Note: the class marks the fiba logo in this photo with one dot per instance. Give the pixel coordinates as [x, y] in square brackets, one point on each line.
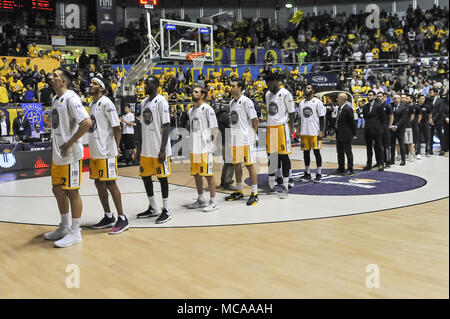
[7, 160]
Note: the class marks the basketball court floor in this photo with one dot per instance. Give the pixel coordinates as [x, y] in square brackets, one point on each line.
[327, 240]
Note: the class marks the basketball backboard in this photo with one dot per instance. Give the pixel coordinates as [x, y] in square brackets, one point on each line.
[179, 38]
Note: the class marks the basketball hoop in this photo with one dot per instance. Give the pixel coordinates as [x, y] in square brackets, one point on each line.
[197, 58]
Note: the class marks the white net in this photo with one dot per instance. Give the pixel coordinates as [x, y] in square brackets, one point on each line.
[198, 62]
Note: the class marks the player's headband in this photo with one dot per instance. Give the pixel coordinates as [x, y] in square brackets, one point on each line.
[100, 82]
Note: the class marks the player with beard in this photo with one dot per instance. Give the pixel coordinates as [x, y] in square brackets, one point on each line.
[280, 111]
[156, 149]
[311, 124]
[104, 141]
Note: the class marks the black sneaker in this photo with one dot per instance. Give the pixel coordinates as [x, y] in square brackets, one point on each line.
[164, 217]
[339, 171]
[306, 177]
[234, 196]
[150, 212]
[120, 226]
[318, 178]
[279, 180]
[350, 172]
[104, 223]
[402, 163]
[253, 199]
[291, 183]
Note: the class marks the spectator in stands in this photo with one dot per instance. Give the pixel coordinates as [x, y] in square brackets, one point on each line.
[16, 88]
[28, 94]
[83, 60]
[4, 95]
[33, 50]
[45, 95]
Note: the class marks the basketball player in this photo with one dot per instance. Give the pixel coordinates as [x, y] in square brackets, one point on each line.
[280, 110]
[204, 130]
[156, 149]
[104, 141]
[70, 121]
[244, 125]
[311, 124]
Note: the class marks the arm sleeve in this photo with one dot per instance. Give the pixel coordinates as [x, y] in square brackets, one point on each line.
[77, 109]
[212, 119]
[163, 108]
[111, 114]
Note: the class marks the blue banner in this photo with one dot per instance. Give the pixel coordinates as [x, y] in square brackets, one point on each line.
[207, 69]
[33, 111]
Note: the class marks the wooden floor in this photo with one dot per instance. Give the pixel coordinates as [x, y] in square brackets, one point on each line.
[324, 258]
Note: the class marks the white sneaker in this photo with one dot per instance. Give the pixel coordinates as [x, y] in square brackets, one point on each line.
[197, 204]
[57, 234]
[418, 157]
[72, 238]
[212, 206]
[410, 158]
[284, 193]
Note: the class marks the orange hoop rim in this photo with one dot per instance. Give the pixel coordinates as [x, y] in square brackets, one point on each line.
[194, 55]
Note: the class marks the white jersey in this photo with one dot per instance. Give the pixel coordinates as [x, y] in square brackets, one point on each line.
[309, 114]
[279, 106]
[104, 117]
[67, 113]
[202, 120]
[242, 112]
[128, 129]
[155, 113]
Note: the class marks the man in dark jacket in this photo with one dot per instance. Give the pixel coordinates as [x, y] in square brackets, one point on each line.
[439, 111]
[21, 125]
[345, 132]
[401, 117]
[373, 114]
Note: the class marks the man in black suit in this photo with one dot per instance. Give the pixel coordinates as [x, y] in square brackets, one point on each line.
[388, 119]
[21, 125]
[4, 124]
[424, 125]
[401, 117]
[345, 132]
[373, 114]
[439, 112]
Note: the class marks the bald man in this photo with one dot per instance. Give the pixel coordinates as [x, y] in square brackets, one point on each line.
[345, 132]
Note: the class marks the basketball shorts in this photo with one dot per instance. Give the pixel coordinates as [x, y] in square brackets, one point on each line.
[103, 169]
[244, 153]
[68, 175]
[278, 139]
[151, 166]
[202, 164]
[408, 135]
[310, 142]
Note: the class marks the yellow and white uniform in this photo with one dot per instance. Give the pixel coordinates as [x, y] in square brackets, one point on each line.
[309, 113]
[203, 120]
[102, 143]
[279, 106]
[155, 113]
[242, 112]
[67, 112]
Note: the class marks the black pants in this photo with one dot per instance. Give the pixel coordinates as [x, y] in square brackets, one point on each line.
[226, 178]
[436, 129]
[370, 140]
[424, 130]
[344, 147]
[416, 135]
[386, 140]
[445, 136]
[400, 137]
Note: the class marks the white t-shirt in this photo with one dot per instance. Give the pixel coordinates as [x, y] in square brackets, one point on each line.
[102, 143]
[155, 113]
[67, 113]
[242, 112]
[202, 120]
[279, 106]
[4, 129]
[369, 57]
[309, 114]
[128, 129]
